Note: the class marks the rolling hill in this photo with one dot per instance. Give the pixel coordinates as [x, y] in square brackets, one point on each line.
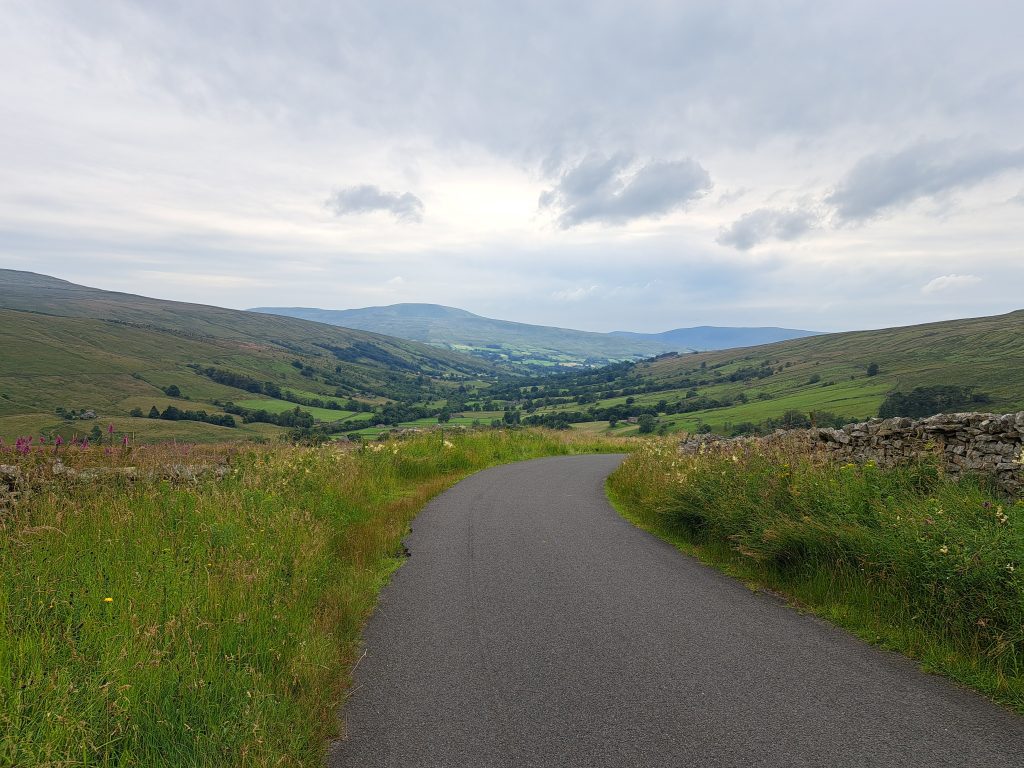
[706, 338]
[846, 376]
[76, 348]
[525, 345]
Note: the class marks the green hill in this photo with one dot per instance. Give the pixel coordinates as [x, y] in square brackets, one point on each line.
[500, 341]
[71, 347]
[739, 389]
[524, 346]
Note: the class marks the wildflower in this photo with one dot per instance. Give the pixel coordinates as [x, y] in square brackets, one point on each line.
[110, 429]
[108, 599]
[1010, 567]
[735, 458]
[944, 550]
[449, 444]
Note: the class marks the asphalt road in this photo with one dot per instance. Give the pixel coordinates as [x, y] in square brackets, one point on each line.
[532, 626]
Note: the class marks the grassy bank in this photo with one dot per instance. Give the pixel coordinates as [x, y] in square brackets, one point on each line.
[208, 623]
[905, 557]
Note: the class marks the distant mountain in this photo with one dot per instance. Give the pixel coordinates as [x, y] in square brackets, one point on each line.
[529, 345]
[709, 337]
[500, 341]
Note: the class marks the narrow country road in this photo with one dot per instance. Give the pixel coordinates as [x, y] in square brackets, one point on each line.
[532, 626]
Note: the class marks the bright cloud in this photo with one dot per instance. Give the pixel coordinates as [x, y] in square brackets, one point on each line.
[949, 283]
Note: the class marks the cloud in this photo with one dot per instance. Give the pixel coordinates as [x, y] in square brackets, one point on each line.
[883, 181]
[767, 223]
[367, 198]
[948, 282]
[615, 190]
[574, 294]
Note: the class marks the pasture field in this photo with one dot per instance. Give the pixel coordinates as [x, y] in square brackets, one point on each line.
[280, 406]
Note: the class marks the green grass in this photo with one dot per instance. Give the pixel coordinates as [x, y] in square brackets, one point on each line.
[210, 623]
[904, 557]
[280, 406]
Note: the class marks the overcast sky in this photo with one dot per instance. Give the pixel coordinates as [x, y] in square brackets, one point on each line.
[597, 165]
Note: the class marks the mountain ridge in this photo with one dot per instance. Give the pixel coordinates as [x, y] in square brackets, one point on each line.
[528, 343]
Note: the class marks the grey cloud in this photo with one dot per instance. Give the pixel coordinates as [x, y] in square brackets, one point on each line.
[641, 74]
[765, 224]
[367, 198]
[881, 182]
[614, 190]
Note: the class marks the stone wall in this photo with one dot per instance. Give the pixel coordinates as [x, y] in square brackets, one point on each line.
[984, 443]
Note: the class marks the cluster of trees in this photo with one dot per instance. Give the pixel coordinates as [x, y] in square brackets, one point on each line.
[240, 381]
[367, 350]
[791, 419]
[173, 413]
[928, 401]
[749, 372]
[295, 418]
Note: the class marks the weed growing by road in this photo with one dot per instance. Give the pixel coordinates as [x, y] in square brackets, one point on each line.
[905, 556]
[210, 618]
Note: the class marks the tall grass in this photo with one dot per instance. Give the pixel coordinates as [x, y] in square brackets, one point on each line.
[904, 556]
[156, 623]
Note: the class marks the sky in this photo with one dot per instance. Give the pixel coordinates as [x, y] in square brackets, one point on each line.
[596, 165]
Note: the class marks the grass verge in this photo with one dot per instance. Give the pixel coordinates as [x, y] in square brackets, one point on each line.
[905, 558]
[210, 622]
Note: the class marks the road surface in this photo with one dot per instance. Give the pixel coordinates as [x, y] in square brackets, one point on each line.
[532, 626]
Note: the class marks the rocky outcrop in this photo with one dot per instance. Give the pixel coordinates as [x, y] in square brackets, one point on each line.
[984, 443]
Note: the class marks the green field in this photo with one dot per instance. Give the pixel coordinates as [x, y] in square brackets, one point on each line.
[280, 406]
[826, 373]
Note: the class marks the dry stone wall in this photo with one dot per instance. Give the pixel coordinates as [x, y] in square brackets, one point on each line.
[985, 443]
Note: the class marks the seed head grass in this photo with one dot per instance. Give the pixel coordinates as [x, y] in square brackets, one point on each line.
[906, 556]
[208, 622]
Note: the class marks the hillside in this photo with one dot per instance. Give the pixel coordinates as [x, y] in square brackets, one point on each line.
[754, 388]
[524, 345]
[500, 341]
[709, 337]
[71, 347]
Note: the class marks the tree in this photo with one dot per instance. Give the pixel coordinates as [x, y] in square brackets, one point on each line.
[154, 413]
[172, 391]
[444, 416]
[647, 424]
[873, 369]
[136, 412]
